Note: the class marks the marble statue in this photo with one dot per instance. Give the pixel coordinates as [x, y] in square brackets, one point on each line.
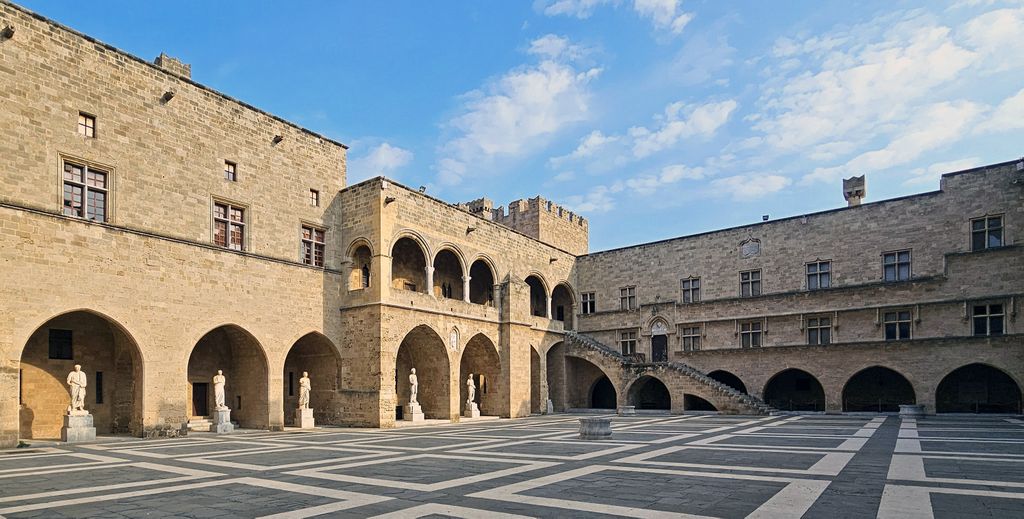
[76, 383]
[414, 387]
[471, 389]
[218, 390]
[304, 387]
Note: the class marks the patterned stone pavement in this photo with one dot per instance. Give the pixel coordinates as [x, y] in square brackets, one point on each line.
[654, 466]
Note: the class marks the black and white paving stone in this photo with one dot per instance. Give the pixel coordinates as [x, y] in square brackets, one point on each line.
[653, 466]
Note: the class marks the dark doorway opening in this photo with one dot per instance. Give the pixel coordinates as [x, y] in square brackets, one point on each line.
[729, 379]
[795, 390]
[602, 396]
[200, 396]
[649, 393]
[977, 388]
[877, 390]
[696, 403]
[659, 348]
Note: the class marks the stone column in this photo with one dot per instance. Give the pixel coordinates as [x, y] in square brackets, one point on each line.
[430, 280]
[547, 309]
[465, 288]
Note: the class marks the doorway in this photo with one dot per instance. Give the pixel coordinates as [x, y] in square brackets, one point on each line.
[659, 348]
[200, 399]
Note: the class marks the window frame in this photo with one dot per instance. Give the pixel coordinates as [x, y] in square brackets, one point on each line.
[816, 325]
[84, 128]
[896, 321]
[689, 290]
[751, 283]
[754, 333]
[988, 317]
[314, 197]
[313, 245]
[690, 337]
[627, 298]
[244, 224]
[87, 167]
[67, 351]
[987, 231]
[230, 171]
[818, 274]
[588, 303]
[896, 265]
[628, 338]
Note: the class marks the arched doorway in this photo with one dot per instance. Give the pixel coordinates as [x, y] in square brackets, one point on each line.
[659, 341]
[795, 390]
[978, 388]
[877, 389]
[481, 359]
[359, 276]
[538, 296]
[408, 266]
[314, 354]
[649, 393]
[240, 356]
[696, 403]
[728, 379]
[561, 305]
[423, 349]
[555, 373]
[602, 394]
[111, 360]
[448, 275]
[537, 403]
[481, 283]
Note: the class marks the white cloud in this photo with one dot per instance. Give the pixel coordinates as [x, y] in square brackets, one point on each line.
[1009, 115]
[931, 174]
[665, 15]
[999, 37]
[649, 184]
[512, 115]
[748, 187]
[552, 46]
[591, 144]
[581, 9]
[597, 200]
[680, 122]
[383, 159]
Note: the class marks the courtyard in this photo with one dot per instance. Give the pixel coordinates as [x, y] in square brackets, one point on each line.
[653, 466]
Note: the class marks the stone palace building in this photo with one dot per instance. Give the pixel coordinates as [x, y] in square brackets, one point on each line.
[154, 231]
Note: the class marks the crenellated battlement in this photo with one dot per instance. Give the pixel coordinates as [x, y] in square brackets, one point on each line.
[539, 218]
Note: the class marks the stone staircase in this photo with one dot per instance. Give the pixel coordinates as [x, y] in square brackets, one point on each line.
[714, 386]
[203, 423]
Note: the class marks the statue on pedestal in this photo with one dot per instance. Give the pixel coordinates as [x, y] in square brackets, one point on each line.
[304, 387]
[76, 383]
[218, 391]
[414, 386]
[471, 389]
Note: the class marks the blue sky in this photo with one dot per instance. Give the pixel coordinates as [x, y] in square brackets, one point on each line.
[652, 118]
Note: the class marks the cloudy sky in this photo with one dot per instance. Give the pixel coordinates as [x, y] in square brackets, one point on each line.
[652, 118]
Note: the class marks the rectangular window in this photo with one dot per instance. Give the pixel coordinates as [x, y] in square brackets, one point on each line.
[228, 226]
[99, 387]
[231, 171]
[819, 275]
[896, 265]
[750, 334]
[627, 298]
[312, 246]
[691, 290]
[819, 330]
[291, 383]
[897, 325]
[986, 233]
[750, 283]
[314, 198]
[988, 319]
[85, 192]
[60, 345]
[627, 340]
[589, 303]
[689, 336]
[86, 125]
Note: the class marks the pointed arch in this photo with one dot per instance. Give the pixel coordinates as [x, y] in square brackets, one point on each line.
[243, 360]
[794, 390]
[978, 388]
[649, 392]
[538, 294]
[877, 389]
[482, 278]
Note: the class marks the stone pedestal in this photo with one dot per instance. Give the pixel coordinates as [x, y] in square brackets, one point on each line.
[627, 410]
[550, 408]
[472, 411]
[304, 418]
[412, 413]
[912, 411]
[78, 427]
[595, 428]
[222, 422]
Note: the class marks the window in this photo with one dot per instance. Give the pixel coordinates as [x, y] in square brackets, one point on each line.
[99, 387]
[366, 276]
[291, 383]
[819, 275]
[312, 246]
[691, 290]
[897, 325]
[589, 303]
[819, 330]
[314, 198]
[987, 233]
[86, 125]
[60, 345]
[750, 283]
[628, 342]
[85, 192]
[446, 290]
[627, 298]
[231, 171]
[229, 226]
[988, 319]
[750, 334]
[896, 265]
[689, 336]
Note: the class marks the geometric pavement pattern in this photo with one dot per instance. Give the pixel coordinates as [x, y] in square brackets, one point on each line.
[653, 466]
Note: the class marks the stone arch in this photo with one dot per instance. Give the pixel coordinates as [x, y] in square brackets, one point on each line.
[105, 349]
[317, 355]
[538, 294]
[729, 379]
[696, 403]
[794, 390]
[235, 351]
[877, 389]
[360, 255]
[563, 301]
[409, 264]
[978, 388]
[649, 392]
[482, 278]
[602, 394]
[422, 348]
[449, 271]
[480, 358]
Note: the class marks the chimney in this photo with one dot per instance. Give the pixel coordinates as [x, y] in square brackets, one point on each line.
[173, 65]
[854, 189]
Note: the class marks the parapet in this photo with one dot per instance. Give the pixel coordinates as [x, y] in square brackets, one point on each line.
[538, 218]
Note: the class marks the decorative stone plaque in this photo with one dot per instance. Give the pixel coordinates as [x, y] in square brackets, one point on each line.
[750, 248]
